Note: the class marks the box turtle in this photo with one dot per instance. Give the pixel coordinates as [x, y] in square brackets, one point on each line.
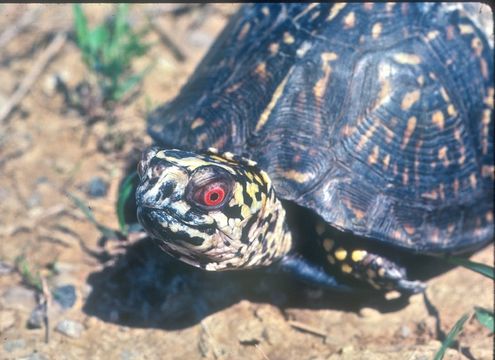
[364, 129]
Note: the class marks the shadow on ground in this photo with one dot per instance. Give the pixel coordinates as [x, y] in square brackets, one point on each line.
[148, 289]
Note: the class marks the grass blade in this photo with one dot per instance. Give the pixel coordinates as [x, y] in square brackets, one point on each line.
[485, 317]
[456, 329]
[124, 194]
[105, 231]
[482, 269]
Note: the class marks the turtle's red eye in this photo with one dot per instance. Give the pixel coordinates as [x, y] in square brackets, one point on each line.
[213, 195]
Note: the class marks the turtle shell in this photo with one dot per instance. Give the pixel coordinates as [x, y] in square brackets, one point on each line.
[378, 117]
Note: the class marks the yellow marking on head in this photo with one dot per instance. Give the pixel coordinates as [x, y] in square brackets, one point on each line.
[386, 161]
[288, 38]
[261, 70]
[331, 259]
[411, 126]
[381, 272]
[346, 268]
[197, 123]
[273, 48]
[473, 181]
[320, 86]
[349, 20]
[438, 119]
[252, 189]
[451, 110]
[276, 95]
[328, 244]
[244, 31]
[442, 155]
[245, 211]
[432, 35]
[265, 177]
[409, 99]
[358, 255]
[340, 254]
[376, 30]
[336, 8]
[320, 227]
[405, 58]
[373, 158]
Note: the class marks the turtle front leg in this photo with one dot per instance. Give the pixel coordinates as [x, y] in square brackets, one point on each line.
[352, 259]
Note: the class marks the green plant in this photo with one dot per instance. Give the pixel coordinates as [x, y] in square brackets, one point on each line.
[109, 49]
[484, 316]
[30, 279]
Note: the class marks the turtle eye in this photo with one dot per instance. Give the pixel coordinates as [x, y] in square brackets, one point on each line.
[211, 195]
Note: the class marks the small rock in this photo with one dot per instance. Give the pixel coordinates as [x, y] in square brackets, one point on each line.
[34, 356]
[369, 313]
[11, 345]
[18, 297]
[7, 319]
[35, 320]
[70, 328]
[34, 200]
[5, 269]
[404, 331]
[97, 187]
[65, 295]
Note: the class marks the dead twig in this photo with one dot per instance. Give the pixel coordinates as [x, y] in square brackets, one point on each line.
[307, 328]
[26, 84]
[23, 22]
[45, 301]
[177, 53]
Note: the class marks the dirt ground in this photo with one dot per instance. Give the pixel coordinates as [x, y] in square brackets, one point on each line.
[142, 304]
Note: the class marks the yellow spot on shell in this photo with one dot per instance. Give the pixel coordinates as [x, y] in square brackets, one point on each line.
[234, 87]
[368, 6]
[261, 70]
[350, 20]
[346, 268]
[331, 259]
[244, 31]
[320, 228]
[386, 161]
[336, 8]
[358, 255]
[477, 46]
[432, 35]
[288, 38]
[409, 99]
[438, 119]
[409, 229]
[376, 30]
[328, 244]
[373, 158]
[488, 171]
[381, 272]
[320, 86]
[367, 135]
[340, 254]
[466, 29]
[489, 216]
[265, 10]
[473, 181]
[268, 110]
[273, 48]
[442, 155]
[405, 58]
[488, 100]
[298, 176]
[451, 110]
[444, 94]
[411, 125]
[197, 123]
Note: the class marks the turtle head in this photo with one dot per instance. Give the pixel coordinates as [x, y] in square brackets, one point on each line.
[211, 210]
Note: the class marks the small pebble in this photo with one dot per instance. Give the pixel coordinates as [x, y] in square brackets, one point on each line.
[65, 295]
[18, 297]
[405, 331]
[70, 328]
[34, 200]
[97, 187]
[369, 313]
[35, 320]
[5, 268]
[34, 356]
[11, 345]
